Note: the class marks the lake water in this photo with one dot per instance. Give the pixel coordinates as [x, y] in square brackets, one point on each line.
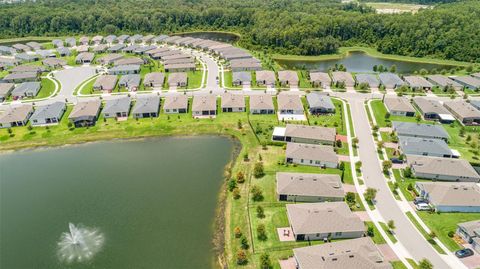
[153, 201]
[217, 36]
[360, 62]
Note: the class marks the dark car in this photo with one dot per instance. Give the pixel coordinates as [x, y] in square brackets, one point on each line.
[396, 160]
[419, 200]
[466, 252]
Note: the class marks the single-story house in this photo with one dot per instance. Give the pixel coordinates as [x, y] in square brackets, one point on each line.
[119, 107]
[116, 48]
[261, 104]
[100, 48]
[24, 57]
[249, 64]
[204, 105]
[313, 155]
[123, 39]
[129, 61]
[320, 79]
[343, 77]
[475, 104]
[418, 83]
[288, 78]
[19, 47]
[5, 50]
[451, 196]
[178, 79]
[370, 79]
[64, 52]
[470, 232]
[34, 45]
[97, 39]
[442, 169]
[146, 106]
[265, 78]
[21, 77]
[130, 82]
[359, 253]
[154, 79]
[84, 40]
[157, 50]
[444, 82]
[71, 41]
[124, 70]
[147, 39]
[433, 110]
[54, 62]
[110, 39]
[109, 58]
[49, 114]
[463, 111]
[16, 115]
[9, 61]
[105, 83]
[143, 49]
[414, 129]
[5, 90]
[233, 102]
[159, 38]
[179, 67]
[468, 82]
[290, 104]
[82, 48]
[85, 113]
[26, 89]
[135, 38]
[399, 106]
[306, 134]
[188, 60]
[28, 69]
[305, 187]
[320, 221]
[319, 103]
[85, 57]
[57, 43]
[241, 78]
[175, 104]
[425, 147]
[46, 53]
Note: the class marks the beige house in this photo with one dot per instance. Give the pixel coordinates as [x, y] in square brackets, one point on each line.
[320, 79]
[261, 104]
[204, 106]
[178, 79]
[399, 106]
[233, 102]
[154, 79]
[464, 112]
[105, 83]
[290, 104]
[265, 78]
[312, 155]
[304, 187]
[288, 78]
[16, 115]
[85, 113]
[176, 104]
[306, 134]
[442, 169]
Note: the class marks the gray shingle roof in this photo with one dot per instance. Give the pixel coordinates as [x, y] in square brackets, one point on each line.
[430, 106]
[147, 103]
[310, 132]
[398, 104]
[204, 102]
[321, 77]
[317, 185]
[390, 80]
[443, 81]
[417, 82]
[87, 108]
[119, 104]
[417, 129]
[15, 113]
[311, 152]
[24, 88]
[370, 79]
[178, 101]
[442, 166]
[419, 146]
[318, 100]
[267, 76]
[53, 110]
[242, 76]
[233, 100]
[261, 101]
[452, 193]
[289, 101]
[288, 75]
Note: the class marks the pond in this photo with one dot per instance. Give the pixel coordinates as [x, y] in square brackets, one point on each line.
[146, 204]
[217, 36]
[360, 62]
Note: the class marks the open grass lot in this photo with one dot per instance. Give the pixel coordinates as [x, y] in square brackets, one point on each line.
[303, 81]
[443, 223]
[194, 79]
[239, 212]
[47, 89]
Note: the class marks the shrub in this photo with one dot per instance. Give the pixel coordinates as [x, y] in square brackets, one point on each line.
[257, 194]
[370, 231]
[241, 257]
[236, 194]
[260, 212]
[232, 185]
[261, 232]
[238, 232]
[265, 262]
[240, 177]
[258, 170]
[451, 234]
[350, 197]
[244, 243]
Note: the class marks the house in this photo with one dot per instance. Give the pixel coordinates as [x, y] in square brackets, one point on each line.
[34, 45]
[82, 48]
[130, 81]
[165, 53]
[241, 78]
[303, 187]
[146, 106]
[124, 70]
[463, 111]
[204, 106]
[451, 196]
[399, 106]
[168, 58]
[320, 103]
[64, 52]
[16, 115]
[305, 134]
[147, 39]
[418, 83]
[46, 53]
[187, 60]
[289, 104]
[179, 67]
[28, 69]
[21, 47]
[100, 48]
[370, 79]
[476, 75]
[320, 221]
[5, 90]
[250, 64]
[442, 169]
[57, 43]
[178, 79]
[135, 38]
[320, 79]
[105, 83]
[157, 50]
[129, 61]
[109, 58]
[154, 79]
[433, 110]
[175, 104]
[444, 82]
[469, 82]
[425, 147]
[23, 57]
[288, 78]
[265, 78]
[110, 39]
[312, 155]
[4, 50]
[84, 40]
[49, 114]
[71, 41]
[116, 48]
[261, 104]
[233, 102]
[54, 62]
[475, 104]
[26, 89]
[159, 38]
[9, 61]
[122, 39]
[85, 113]
[97, 39]
[84, 57]
[470, 232]
[360, 253]
[345, 78]
[143, 49]
[413, 129]
[21, 77]
[118, 107]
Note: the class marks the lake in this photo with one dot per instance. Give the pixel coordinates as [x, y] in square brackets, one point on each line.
[153, 202]
[217, 36]
[360, 62]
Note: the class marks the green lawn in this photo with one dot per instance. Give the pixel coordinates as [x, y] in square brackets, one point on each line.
[48, 88]
[470, 150]
[380, 112]
[388, 232]
[377, 237]
[194, 79]
[229, 80]
[424, 233]
[304, 82]
[442, 223]
[403, 184]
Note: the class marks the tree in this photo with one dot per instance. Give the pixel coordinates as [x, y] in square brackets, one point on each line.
[240, 177]
[232, 185]
[265, 262]
[370, 231]
[393, 68]
[418, 118]
[257, 194]
[244, 243]
[238, 232]
[236, 194]
[391, 225]
[370, 194]
[260, 212]
[425, 264]
[338, 143]
[261, 232]
[241, 257]
[350, 197]
[387, 164]
[258, 170]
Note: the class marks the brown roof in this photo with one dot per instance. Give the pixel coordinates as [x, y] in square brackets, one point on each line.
[261, 101]
[311, 152]
[311, 132]
[86, 108]
[233, 100]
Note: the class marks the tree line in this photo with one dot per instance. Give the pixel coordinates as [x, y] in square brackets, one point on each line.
[303, 27]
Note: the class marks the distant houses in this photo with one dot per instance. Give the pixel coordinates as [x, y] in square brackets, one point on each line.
[303, 187]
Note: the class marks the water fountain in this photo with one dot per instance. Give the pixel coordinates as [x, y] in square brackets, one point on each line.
[79, 244]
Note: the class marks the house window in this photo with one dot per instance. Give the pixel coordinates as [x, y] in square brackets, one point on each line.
[301, 160]
[338, 234]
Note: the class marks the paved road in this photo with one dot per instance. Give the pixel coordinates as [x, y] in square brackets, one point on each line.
[70, 79]
[386, 203]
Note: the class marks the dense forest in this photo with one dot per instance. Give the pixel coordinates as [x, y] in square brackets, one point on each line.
[306, 27]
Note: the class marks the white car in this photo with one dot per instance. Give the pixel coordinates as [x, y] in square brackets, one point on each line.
[423, 207]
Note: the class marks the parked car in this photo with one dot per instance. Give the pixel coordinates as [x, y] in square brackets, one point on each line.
[423, 207]
[463, 253]
[396, 160]
[419, 200]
